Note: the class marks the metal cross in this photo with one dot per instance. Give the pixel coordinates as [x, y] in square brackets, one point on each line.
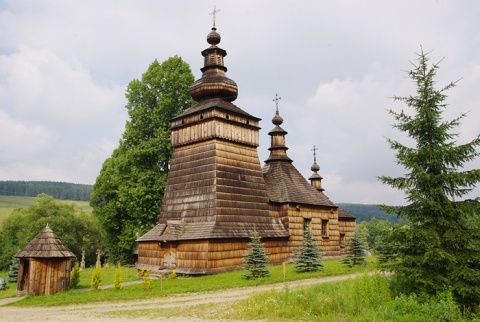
[213, 13]
[314, 153]
[276, 99]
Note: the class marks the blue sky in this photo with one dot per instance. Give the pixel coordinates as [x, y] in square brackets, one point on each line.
[65, 65]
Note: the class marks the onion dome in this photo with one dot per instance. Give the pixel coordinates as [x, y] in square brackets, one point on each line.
[278, 149]
[315, 178]
[214, 83]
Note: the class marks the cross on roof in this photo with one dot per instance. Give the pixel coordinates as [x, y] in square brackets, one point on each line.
[276, 99]
[314, 153]
[213, 13]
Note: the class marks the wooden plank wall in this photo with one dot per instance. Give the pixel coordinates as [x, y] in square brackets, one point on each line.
[216, 255]
[216, 124]
[150, 253]
[49, 276]
[347, 227]
[330, 245]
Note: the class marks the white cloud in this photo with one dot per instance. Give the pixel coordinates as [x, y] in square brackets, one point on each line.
[21, 141]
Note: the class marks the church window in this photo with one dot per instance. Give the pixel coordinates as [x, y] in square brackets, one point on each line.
[324, 228]
[342, 240]
[307, 224]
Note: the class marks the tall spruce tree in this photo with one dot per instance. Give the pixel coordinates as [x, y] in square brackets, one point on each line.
[309, 257]
[256, 259]
[439, 249]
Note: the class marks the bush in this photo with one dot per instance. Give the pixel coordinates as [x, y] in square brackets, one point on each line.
[96, 278]
[147, 281]
[118, 278]
[75, 278]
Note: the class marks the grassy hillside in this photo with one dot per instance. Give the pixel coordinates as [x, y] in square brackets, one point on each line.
[9, 203]
[367, 212]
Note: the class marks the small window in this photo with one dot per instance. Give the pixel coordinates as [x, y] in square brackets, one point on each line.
[324, 228]
[342, 240]
[227, 117]
[307, 224]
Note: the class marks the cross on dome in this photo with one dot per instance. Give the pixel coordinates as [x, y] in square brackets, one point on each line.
[276, 99]
[214, 13]
[314, 153]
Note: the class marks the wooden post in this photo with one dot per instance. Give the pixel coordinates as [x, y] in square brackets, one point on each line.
[284, 271]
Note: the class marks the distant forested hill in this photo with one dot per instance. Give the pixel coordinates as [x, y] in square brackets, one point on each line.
[58, 190]
[367, 212]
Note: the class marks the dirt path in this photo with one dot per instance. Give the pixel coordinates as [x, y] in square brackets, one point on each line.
[152, 309]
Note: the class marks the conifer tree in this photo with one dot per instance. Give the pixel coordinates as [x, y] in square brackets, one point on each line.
[256, 259]
[12, 273]
[309, 255]
[355, 251]
[439, 249]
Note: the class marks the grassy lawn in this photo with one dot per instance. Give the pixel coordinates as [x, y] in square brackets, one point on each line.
[182, 284]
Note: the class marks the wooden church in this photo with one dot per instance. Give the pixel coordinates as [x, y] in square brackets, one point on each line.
[217, 194]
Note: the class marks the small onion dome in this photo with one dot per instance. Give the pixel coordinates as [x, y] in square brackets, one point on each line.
[213, 38]
[315, 167]
[277, 119]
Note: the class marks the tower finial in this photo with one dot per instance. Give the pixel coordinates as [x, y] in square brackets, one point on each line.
[214, 13]
[276, 99]
[314, 153]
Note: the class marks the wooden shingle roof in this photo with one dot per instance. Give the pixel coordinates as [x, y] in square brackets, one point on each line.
[285, 184]
[45, 245]
[345, 215]
[215, 189]
[214, 103]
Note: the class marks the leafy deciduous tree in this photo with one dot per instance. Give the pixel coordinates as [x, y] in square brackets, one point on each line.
[128, 192]
[439, 250]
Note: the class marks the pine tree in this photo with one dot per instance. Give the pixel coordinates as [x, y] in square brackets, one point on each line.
[256, 259]
[309, 256]
[439, 248]
[355, 251]
[12, 273]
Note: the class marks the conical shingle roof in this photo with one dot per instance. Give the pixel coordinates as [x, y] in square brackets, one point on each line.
[45, 245]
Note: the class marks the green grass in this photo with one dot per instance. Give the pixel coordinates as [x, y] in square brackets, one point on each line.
[11, 288]
[182, 284]
[10, 203]
[366, 298]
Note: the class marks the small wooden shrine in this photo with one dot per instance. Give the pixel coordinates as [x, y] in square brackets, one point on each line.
[217, 194]
[45, 265]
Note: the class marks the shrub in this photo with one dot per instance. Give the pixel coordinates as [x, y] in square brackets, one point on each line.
[118, 278]
[75, 278]
[147, 281]
[96, 278]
